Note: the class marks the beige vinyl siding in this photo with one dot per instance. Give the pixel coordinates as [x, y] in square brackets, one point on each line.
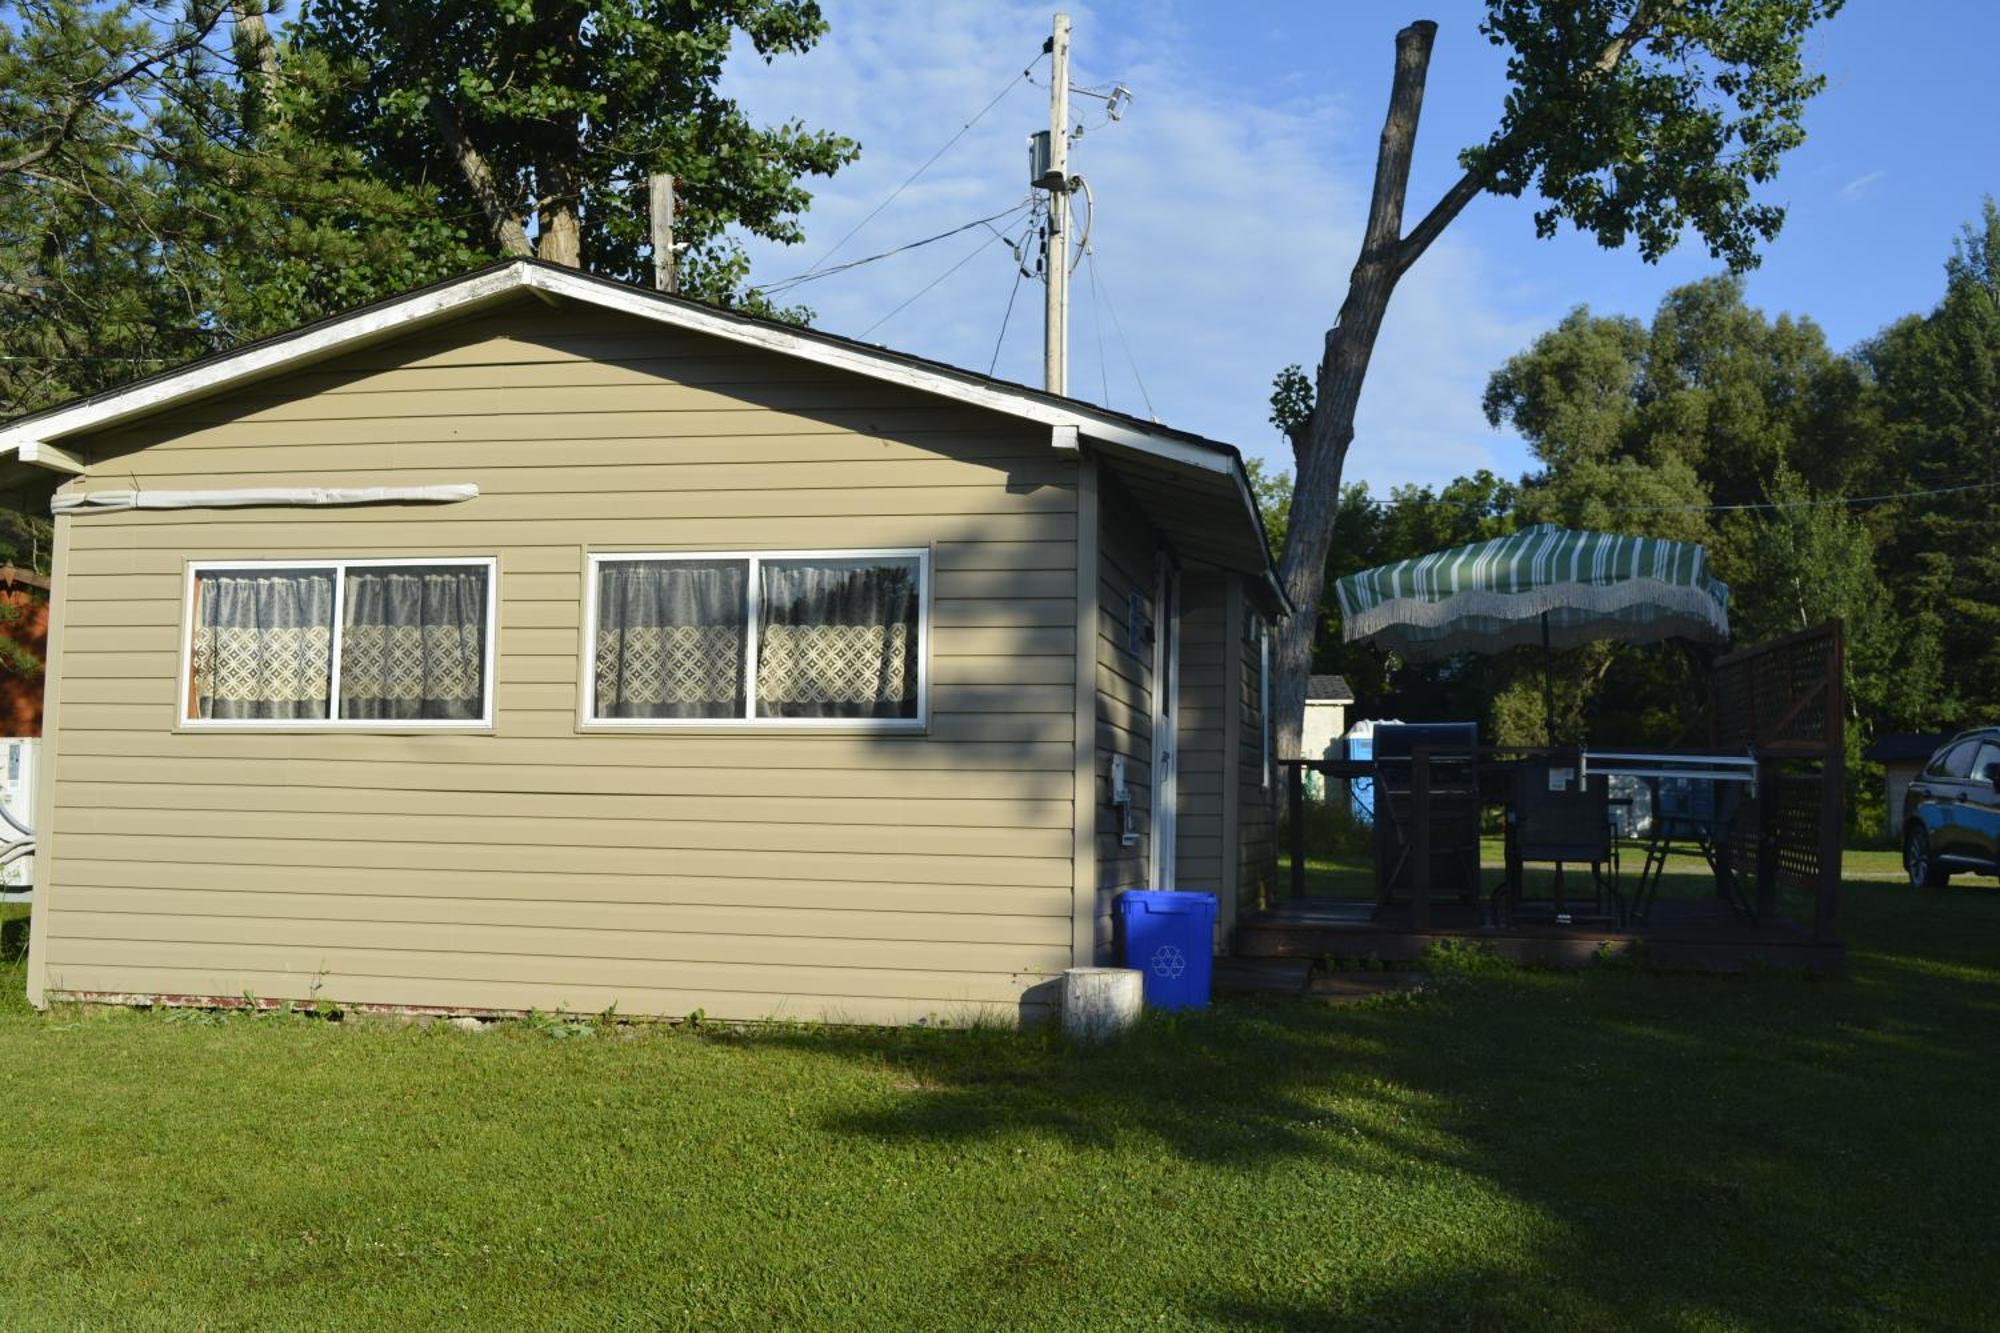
[1199, 857]
[870, 877]
[1257, 805]
[1127, 554]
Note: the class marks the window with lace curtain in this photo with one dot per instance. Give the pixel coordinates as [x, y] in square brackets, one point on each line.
[363, 643]
[792, 638]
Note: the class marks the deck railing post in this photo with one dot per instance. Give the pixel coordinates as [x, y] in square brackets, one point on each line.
[1420, 835]
[1295, 784]
[1768, 816]
[1832, 790]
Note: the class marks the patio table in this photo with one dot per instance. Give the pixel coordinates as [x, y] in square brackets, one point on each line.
[1724, 779]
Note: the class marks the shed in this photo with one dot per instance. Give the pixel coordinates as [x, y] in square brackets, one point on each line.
[1902, 755]
[537, 641]
[1327, 698]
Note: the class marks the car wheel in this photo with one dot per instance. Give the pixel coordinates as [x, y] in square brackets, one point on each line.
[1924, 871]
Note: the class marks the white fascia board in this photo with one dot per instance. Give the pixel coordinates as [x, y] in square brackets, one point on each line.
[862, 361]
[456, 298]
[29, 439]
[225, 371]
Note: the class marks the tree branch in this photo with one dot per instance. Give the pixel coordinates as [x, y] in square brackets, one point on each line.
[506, 224]
[1645, 20]
[1463, 191]
[91, 92]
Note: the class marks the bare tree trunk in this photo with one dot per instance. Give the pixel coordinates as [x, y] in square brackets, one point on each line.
[256, 53]
[500, 215]
[1319, 444]
[558, 175]
[561, 237]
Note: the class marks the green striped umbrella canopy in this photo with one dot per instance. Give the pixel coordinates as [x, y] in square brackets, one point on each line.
[1494, 594]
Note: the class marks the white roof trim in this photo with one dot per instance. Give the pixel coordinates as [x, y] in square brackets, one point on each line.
[222, 372]
[394, 317]
[29, 439]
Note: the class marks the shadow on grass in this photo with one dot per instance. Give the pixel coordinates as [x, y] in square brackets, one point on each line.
[1745, 1147]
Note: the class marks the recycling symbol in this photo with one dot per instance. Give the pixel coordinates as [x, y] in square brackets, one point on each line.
[1168, 962]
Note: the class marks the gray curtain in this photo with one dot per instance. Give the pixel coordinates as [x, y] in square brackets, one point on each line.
[838, 638]
[263, 643]
[413, 642]
[670, 638]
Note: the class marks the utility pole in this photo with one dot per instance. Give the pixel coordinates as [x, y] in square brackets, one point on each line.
[1055, 260]
[660, 206]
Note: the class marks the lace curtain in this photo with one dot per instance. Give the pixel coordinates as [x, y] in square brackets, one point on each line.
[838, 638]
[413, 642]
[263, 644]
[670, 638]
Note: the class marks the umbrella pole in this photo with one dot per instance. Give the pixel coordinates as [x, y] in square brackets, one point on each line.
[1548, 682]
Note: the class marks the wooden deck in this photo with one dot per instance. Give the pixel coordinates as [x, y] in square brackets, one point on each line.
[1695, 935]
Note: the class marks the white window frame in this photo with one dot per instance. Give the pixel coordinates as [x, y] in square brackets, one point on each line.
[484, 722]
[586, 704]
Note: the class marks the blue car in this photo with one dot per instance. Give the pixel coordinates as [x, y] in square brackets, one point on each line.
[1951, 813]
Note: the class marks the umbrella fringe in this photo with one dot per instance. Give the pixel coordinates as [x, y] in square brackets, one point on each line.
[1706, 607]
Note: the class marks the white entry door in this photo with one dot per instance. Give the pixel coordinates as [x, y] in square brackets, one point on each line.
[1166, 721]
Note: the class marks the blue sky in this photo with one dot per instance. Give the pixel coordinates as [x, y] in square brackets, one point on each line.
[1232, 193]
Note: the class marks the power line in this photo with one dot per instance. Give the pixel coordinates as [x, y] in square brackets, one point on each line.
[930, 161]
[1097, 327]
[1005, 316]
[1747, 506]
[1825, 500]
[813, 275]
[925, 289]
[87, 360]
[1118, 327]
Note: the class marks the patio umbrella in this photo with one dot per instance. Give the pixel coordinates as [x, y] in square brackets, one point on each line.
[1556, 586]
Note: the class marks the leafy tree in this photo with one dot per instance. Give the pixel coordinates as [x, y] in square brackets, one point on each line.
[1648, 428]
[545, 117]
[92, 279]
[1639, 119]
[1640, 428]
[1938, 407]
[1411, 521]
[174, 178]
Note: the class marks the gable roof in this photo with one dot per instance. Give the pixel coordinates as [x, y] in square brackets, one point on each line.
[1328, 689]
[1907, 747]
[1190, 482]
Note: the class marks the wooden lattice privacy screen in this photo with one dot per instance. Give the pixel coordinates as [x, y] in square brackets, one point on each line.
[1785, 702]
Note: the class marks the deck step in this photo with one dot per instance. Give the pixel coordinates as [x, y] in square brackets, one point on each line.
[1696, 935]
[1265, 976]
[1344, 987]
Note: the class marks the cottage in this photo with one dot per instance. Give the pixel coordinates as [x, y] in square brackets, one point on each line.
[534, 641]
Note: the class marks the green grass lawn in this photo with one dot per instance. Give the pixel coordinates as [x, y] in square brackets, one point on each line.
[1509, 1148]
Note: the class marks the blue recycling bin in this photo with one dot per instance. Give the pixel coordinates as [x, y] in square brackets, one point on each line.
[1170, 937]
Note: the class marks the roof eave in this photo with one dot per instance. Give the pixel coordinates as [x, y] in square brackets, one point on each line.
[31, 439]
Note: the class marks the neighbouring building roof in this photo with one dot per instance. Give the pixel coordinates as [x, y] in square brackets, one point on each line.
[1197, 489]
[1328, 690]
[1906, 746]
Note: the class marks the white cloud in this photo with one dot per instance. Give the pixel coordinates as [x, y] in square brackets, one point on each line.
[1228, 221]
[1861, 186]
